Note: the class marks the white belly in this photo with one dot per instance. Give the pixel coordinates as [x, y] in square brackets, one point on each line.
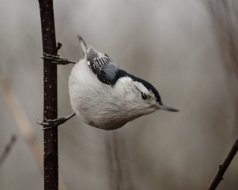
[87, 98]
[101, 105]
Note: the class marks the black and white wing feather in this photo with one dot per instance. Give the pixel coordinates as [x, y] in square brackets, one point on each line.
[104, 68]
[100, 64]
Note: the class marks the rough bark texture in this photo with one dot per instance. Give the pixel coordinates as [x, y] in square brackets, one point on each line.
[50, 96]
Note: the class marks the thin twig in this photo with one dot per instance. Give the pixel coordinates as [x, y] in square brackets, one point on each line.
[223, 167]
[7, 149]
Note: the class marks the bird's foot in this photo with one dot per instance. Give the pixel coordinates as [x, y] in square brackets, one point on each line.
[52, 123]
[56, 59]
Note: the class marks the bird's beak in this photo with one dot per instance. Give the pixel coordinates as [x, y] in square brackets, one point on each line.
[167, 108]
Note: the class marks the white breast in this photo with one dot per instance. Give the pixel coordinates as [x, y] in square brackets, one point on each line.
[99, 104]
[92, 100]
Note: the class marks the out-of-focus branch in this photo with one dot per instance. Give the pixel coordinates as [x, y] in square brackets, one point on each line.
[7, 149]
[224, 13]
[115, 166]
[22, 121]
[223, 167]
[24, 125]
[119, 171]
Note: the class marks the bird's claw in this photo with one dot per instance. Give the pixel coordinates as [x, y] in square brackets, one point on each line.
[56, 59]
[52, 123]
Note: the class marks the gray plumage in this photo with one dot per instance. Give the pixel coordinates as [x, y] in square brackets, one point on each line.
[101, 65]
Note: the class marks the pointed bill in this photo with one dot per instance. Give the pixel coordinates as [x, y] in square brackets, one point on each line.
[167, 108]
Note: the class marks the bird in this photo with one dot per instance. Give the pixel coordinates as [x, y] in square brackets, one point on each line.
[104, 95]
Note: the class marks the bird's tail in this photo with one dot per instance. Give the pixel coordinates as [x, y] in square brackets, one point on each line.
[83, 44]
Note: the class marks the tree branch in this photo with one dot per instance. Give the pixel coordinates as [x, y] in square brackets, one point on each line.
[223, 167]
[50, 95]
[7, 149]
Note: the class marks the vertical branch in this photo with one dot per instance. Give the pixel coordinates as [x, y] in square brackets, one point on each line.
[224, 14]
[50, 96]
[114, 161]
[118, 169]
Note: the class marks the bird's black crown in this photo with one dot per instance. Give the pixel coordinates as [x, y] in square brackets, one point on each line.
[149, 86]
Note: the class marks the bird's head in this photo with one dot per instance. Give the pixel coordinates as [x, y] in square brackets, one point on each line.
[148, 98]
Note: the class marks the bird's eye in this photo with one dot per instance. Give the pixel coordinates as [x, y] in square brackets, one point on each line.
[144, 96]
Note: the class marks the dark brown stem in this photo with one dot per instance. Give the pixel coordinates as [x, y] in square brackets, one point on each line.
[50, 95]
[223, 167]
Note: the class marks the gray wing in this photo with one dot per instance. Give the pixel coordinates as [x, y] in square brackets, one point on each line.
[104, 68]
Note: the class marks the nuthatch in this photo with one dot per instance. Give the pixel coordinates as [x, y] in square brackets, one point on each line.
[105, 96]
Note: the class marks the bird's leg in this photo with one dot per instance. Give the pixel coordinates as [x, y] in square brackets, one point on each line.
[51, 123]
[56, 59]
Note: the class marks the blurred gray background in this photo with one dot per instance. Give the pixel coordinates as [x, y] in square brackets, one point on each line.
[179, 46]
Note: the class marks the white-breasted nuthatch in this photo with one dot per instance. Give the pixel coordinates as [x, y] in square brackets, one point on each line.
[105, 96]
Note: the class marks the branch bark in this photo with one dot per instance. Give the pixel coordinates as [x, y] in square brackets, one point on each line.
[223, 167]
[50, 95]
